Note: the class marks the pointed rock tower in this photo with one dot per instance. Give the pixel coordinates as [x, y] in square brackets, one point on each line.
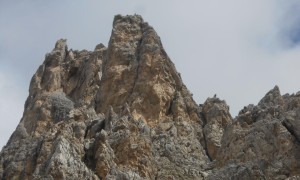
[119, 112]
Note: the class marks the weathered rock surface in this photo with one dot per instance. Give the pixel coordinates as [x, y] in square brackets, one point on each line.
[262, 142]
[123, 112]
[217, 117]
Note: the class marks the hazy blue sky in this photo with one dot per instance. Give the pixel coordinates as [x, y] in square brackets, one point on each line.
[237, 49]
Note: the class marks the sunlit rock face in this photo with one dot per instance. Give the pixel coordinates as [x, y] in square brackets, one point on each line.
[123, 112]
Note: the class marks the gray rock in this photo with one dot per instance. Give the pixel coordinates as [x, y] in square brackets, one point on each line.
[61, 106]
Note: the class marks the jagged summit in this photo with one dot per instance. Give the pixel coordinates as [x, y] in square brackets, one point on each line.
[138, 67]
[273, 97]
[123, 112]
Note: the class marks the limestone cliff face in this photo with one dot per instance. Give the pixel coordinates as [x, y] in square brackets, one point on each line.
[123, 112]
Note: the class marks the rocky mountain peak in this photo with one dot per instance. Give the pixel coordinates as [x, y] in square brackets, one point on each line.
[61, 45]
[138, 67]
[123, 112]
[272, 98]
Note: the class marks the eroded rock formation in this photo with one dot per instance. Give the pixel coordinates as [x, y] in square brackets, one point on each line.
[263, 141]
[123, 112]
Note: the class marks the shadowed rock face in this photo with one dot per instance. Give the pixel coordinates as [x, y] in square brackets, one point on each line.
[123, 112]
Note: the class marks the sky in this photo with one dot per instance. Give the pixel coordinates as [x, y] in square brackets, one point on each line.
[237, 49]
